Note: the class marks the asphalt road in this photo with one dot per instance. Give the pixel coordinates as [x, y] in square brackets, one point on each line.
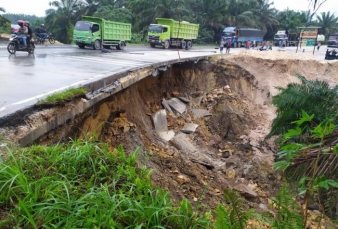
[25, 79]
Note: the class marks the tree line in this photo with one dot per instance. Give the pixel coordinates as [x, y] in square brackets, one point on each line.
[212, 16]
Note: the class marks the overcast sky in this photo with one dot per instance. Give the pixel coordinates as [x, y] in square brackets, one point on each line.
[38, 7]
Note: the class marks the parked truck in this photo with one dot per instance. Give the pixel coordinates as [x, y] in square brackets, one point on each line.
[293, 39]
[281, 37]
[239, 36]
[333, 41]
[170, 33]
[97, 32]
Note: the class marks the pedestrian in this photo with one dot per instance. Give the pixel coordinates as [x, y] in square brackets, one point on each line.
[284, 43]
[254, 44]
[263, 45]
[268, 45]
[318, 46]
[280, 44]
[221, 45]
[248, 44]
[228, 46]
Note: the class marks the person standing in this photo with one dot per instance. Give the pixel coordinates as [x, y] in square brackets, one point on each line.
[318, 46]
[221, 45]
[228, 46]
[248, 44]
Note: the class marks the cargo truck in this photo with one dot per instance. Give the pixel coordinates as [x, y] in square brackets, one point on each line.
[239, 36]
[170, 33]
[97, 32]
[281, 37]
[333, 41]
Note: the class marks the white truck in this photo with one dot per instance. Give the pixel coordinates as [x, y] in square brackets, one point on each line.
[280, 36]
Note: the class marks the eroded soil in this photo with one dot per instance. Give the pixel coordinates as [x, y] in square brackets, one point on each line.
[231, 151]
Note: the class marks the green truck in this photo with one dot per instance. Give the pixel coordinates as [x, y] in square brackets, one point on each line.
[170, 33]
[94, 32]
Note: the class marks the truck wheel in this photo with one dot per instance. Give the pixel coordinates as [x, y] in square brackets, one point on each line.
[166, 45]
[97, 45]
[81, 46]
[189, 45]
[120, 46]
[152, 45]
[183, 44]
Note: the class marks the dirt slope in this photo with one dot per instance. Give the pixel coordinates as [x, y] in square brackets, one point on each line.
[229, 150]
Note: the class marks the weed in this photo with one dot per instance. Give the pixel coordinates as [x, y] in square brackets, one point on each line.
[64, 95]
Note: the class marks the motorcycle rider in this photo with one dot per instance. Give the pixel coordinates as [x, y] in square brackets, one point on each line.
[23, 31]
[41, 32]
[30, 34]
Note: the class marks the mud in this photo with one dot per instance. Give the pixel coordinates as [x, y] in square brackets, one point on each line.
[231, 151]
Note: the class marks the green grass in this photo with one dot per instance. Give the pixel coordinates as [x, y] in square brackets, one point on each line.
[84, 185]
[64, 95]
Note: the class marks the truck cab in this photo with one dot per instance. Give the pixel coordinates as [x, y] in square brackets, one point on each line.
[333, 41]
[280, 36]
[158, 34]
[87, 34]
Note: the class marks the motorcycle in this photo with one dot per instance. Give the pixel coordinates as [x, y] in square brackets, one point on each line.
[16, 44]
[40, 40]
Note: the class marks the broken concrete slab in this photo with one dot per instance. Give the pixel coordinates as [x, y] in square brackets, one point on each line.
[246, 191]
[182, 142]
[183, 99]
[166, 135]
[189, 128]
[177, 105]
[167, 107]
[160, 121]
[201, 113]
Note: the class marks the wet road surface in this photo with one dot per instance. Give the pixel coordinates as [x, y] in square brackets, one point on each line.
[25, 79]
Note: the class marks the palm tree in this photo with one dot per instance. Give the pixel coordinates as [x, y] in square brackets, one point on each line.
[265, 14]
[146, 11]
[328, 22]
[2, 9]
[66, 14]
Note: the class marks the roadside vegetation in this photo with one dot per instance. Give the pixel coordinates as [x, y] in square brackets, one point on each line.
[63, 96]
[307, 125]
[84, 184]
[212, 16]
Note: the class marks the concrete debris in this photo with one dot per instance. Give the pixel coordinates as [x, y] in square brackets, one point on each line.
[206, 164]
[186, 100]
[181, 142]
[201, 113]
[166, 135]
[189, 128]
[177, 105]
[245, 191]
[160, 121]
[167, 107]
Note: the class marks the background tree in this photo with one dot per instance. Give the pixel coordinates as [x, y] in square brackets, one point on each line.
[327, 22]
[2, 9]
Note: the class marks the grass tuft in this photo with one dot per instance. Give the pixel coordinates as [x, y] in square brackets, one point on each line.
[64, 95]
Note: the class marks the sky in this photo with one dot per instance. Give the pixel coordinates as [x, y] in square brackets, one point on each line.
[38, 7]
